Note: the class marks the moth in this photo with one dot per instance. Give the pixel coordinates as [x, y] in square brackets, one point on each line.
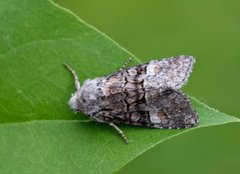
[146, 95]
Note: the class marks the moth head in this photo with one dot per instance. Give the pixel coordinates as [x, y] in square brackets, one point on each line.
[73, 102]
[86, 98]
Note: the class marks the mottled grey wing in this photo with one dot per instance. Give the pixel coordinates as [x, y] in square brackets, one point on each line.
[169, 109]
[158, 74]
[168, 73]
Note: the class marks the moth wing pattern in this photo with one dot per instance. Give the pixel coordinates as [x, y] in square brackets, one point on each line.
[169, 109]
[170, 72]
[162, 74]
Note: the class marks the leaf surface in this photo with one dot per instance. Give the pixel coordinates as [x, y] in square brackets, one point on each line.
[40, 133]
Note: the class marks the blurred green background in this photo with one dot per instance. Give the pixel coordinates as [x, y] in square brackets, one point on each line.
[209, 30]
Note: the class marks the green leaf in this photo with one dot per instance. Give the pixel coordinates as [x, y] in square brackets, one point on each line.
[41, 134]
[37, 37]
[83, 147]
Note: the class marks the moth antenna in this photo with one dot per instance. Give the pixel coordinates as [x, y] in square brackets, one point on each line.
[77, 82]
[125, 65]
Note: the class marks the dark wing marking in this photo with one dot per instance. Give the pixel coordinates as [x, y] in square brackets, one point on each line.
[169, 109]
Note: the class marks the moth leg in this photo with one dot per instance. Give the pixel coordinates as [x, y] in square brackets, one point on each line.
[119, 131]
[124, 66]
[77, 82]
